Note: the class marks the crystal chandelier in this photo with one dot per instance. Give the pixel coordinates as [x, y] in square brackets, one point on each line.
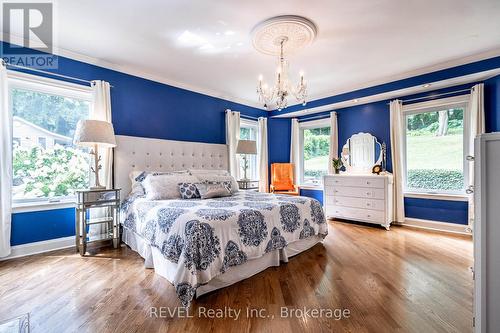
[283, 87]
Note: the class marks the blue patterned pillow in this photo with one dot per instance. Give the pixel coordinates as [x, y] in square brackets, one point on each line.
[188, 191]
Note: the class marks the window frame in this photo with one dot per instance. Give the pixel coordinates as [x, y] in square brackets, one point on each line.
[254, 125]
[434, 106]
[311, 124]
[24, 81]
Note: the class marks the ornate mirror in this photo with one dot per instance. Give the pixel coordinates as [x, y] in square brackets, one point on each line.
[361, 152]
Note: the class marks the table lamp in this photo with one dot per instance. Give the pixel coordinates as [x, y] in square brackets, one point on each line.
[246, 147]
[94, 133]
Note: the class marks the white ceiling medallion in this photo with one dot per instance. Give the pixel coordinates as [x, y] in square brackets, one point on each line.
[281, 36]
[297, 30]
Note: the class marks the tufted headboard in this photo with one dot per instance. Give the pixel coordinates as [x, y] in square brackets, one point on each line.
[135, 153]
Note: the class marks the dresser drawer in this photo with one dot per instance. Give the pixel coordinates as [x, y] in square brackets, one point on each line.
[355, 181]
[375, 204]
[355, 213]
[357, 192]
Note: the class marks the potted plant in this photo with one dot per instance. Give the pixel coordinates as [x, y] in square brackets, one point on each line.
[337, 164]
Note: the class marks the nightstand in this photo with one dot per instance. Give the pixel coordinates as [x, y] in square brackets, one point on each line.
[248, 184]
[107, 202]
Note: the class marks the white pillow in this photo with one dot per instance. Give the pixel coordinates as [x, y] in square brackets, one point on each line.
[165, 186]
[136, 181]
[219, 178]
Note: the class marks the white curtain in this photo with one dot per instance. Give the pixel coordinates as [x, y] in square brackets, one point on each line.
[396, 110]
[263, 155]
[232, 137]
[295, 149]
[476, 121]
[101, 110]
[5, 165]
[334, 141]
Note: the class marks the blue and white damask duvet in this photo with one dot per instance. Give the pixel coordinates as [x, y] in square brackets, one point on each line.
[207, 237]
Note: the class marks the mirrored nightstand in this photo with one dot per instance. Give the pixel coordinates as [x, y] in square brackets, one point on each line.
[105, 202]
[248, 184]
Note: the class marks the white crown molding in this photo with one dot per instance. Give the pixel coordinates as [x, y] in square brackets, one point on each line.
[409, 74]
[139, 73]
[40, 247]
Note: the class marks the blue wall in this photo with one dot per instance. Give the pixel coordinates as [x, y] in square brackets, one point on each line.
[146, 108]
[140, 107]
[437, 210]
[39, 226]
[374, 118]
[492, 104]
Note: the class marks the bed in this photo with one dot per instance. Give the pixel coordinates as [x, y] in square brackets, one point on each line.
[201, 245]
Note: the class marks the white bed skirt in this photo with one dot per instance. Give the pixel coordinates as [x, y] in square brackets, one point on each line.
[163, 267]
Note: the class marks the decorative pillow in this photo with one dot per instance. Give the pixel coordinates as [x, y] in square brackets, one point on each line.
[212, 190]
[188, 191]
[165, 186]
[219, 178]
[138, 176]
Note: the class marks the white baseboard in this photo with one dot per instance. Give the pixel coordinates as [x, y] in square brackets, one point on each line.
[40, 247]
[462, 229]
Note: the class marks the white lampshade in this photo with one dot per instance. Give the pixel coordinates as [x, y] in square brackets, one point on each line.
[94, 132]
[246, 147]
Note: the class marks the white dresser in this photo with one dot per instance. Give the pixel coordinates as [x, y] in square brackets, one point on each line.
[359, 197]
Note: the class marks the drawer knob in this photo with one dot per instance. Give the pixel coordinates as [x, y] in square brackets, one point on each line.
[369, 215]
[368, 204]
[368, 183]
[367, 193]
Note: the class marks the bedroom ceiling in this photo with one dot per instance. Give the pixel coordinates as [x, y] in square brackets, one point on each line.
[206, 46]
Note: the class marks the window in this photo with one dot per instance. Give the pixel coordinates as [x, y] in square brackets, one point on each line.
[42, 142]
[249, 131]
[46, 165]
[315, 148]
[435, 136]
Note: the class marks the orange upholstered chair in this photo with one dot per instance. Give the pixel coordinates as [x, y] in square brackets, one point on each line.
[282, 179]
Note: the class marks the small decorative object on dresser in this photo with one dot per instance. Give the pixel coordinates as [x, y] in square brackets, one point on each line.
[337, 164]
[362, 197]
[91, 199]
[248, 184]
[377, 169]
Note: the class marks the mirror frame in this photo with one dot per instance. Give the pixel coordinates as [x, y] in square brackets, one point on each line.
[367, 169]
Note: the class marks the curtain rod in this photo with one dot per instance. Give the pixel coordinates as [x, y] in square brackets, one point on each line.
[434, 96]
[244, 116]
[7, 65]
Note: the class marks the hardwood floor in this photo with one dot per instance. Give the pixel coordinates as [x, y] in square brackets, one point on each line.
[404, 280]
